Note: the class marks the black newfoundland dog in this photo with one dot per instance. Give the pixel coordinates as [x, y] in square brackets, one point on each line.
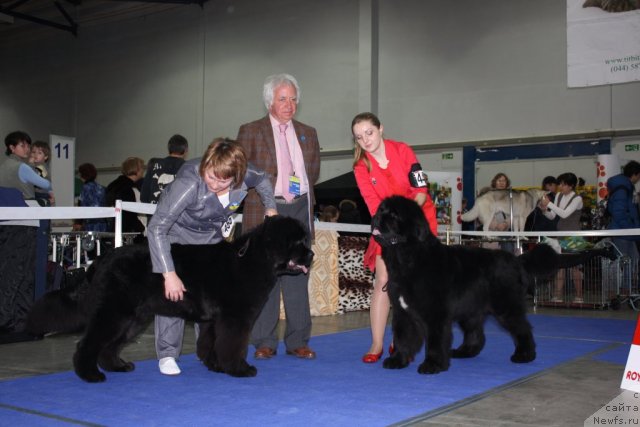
[227, 285]
[432, 285]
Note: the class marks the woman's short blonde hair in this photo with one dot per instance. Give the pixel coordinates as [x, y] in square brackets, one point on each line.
[226, 158]
[131, 166]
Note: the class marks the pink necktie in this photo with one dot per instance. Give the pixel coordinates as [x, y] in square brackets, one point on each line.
[285, 166]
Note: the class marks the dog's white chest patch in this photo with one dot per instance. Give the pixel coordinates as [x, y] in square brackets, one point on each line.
[403, 304]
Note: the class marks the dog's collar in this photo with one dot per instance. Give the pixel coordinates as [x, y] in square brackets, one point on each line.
[394, 240]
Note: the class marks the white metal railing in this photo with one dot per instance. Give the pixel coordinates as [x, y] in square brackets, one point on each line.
[517, 236]
[36, 213]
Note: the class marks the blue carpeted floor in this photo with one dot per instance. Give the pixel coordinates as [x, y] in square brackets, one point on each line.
[336, 389]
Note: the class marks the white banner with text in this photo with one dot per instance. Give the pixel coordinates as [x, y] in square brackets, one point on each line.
[603, 45]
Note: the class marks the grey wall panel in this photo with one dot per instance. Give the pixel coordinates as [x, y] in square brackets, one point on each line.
[317, 42]
[626, 106]
[138, 83]
[36, 89]
[465, 71]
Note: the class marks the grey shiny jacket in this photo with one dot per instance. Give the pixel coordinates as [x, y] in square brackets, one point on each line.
[189, 213]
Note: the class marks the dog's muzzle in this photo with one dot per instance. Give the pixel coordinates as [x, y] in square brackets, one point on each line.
[393, 239]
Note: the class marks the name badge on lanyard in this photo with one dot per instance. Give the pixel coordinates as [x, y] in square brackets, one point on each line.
[227, 227]
[294, 185]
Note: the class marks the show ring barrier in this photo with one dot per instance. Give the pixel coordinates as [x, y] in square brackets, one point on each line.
[329, 283]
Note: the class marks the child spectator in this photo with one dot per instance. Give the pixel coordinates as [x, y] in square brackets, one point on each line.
[39, 157]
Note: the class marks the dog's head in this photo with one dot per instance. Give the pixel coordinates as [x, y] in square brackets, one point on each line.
[287, 242]
[399, 220]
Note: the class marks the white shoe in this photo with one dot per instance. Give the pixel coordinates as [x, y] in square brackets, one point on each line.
[168, 366]
[556, 299]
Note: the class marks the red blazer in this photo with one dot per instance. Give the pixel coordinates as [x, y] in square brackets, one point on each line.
[375, 185]
[257, 140]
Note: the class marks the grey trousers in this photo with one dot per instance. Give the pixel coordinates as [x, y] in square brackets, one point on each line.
[169, 333]
[295, 296]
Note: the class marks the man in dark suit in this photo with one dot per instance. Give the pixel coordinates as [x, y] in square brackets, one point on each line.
[288, 151]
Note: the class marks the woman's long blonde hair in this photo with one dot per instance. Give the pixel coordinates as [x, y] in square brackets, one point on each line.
[227, 159]
[358, 153]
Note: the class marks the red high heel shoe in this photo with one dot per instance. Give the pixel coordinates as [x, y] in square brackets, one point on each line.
[371, 357]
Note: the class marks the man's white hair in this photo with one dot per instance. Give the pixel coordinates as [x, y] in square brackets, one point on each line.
[272, 82]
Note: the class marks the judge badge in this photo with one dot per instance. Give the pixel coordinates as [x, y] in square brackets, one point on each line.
[227, 227]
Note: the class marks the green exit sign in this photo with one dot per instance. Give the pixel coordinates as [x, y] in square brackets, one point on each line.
[447, 156]
[632, 147]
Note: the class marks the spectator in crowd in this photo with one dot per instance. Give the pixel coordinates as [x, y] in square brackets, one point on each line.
[501, 221]
[349, 213]
[289, 151]
[91, 194]
[623, 208]
[39, 157]
[20, 243]
[581, 182]
[125, 188]
[329, 214]
[161, 172]
[537, 221]
[568, 207]
[15, 171]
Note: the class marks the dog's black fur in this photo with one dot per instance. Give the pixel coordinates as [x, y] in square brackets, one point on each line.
[227, 285]
[432, 285]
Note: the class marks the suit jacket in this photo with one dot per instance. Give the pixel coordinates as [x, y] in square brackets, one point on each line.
[257, 140]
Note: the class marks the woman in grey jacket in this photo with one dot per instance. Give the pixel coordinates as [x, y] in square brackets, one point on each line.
[194, 209]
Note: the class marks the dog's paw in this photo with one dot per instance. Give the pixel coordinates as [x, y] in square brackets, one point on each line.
[202, 354]
[395, 362]
[430, 367]
[214, 368]
[464, 352]
[212, 365]
[126, 367]
[92, 377]
[456, 353]
[523, 357]
[248, 371]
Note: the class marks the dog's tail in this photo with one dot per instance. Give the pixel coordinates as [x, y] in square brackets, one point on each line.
[541, 261]
[472, 214]
[544, 262]
[60, 311]
[573, 259]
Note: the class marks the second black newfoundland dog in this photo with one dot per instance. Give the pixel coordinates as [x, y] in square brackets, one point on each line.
[432, 285]
[227, 285]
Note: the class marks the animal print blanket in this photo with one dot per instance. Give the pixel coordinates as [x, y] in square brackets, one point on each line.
[338, 282]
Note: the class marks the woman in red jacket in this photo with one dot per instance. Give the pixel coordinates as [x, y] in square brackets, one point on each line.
[382, 168]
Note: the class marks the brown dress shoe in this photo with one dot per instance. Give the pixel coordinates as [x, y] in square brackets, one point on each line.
[303, 353]
[264, 353]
